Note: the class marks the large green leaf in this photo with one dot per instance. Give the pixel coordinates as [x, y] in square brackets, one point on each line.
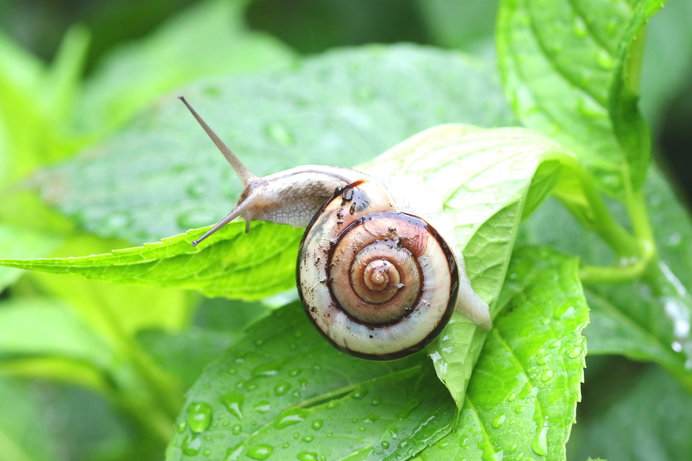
[284, 391]
[522, 398]
[644, 319]
[571, 69]
[162, 176]
[211, 34]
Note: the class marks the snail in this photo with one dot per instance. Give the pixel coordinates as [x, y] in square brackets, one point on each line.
[378, 282]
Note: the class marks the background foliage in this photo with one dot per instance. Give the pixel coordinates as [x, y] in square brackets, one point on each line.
[96, 154]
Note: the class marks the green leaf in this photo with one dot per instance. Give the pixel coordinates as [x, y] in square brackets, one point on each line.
[231, 266]
[21, 243]
[571, 69]
[521, 400]
[645, 319]
[208, 39]
[648, 417]
[162, 176]
[288, 393]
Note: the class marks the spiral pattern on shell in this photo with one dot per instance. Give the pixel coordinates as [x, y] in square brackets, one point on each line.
[377, 283]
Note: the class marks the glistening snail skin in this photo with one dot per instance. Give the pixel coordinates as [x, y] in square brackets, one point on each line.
[377, 282]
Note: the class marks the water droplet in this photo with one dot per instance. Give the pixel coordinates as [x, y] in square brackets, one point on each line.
[512, 397]
[279, 133]
[285, 445]
[359, 394]
[232, 371]
[199, 416]
[539, 444]
[518, 409]
[233, 401]
[498, 421]
[308, 438]
[191, 445]
[294, 372]
[385, 444]
[289, 418]
[236, 429]
[263, 406]
[260, 452]
[317, 424]
[307, 456]
[268, 369]
[181, 425]
[251, 386]
[590, 109]
[361, 428]
[376, 401]
[547, 375]
[281, 388]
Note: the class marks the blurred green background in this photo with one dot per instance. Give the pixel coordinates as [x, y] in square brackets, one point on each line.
[41, 420]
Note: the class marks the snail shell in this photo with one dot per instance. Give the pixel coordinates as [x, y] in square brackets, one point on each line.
[378, 283]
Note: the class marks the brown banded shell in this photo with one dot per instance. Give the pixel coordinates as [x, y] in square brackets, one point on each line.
[377, 283]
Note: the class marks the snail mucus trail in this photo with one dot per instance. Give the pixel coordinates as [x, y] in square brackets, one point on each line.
[378, 283]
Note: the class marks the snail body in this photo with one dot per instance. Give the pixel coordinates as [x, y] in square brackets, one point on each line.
[378, 282]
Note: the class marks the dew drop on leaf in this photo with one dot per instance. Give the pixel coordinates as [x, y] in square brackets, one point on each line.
[289, 418]
[233, 401]
[540, 442]
[385, 444]
[192, 445]
[359, 394]
[281, 388]
[236, 429]
[317, 424]
[498, 421]
[181, 425]
[260, 452]
[263, 406]
[308, 438]
[199, 416]
[307, 456]
[376, 401]
[547, 375]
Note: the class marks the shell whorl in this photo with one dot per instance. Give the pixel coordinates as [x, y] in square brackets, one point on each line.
[377, 283]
